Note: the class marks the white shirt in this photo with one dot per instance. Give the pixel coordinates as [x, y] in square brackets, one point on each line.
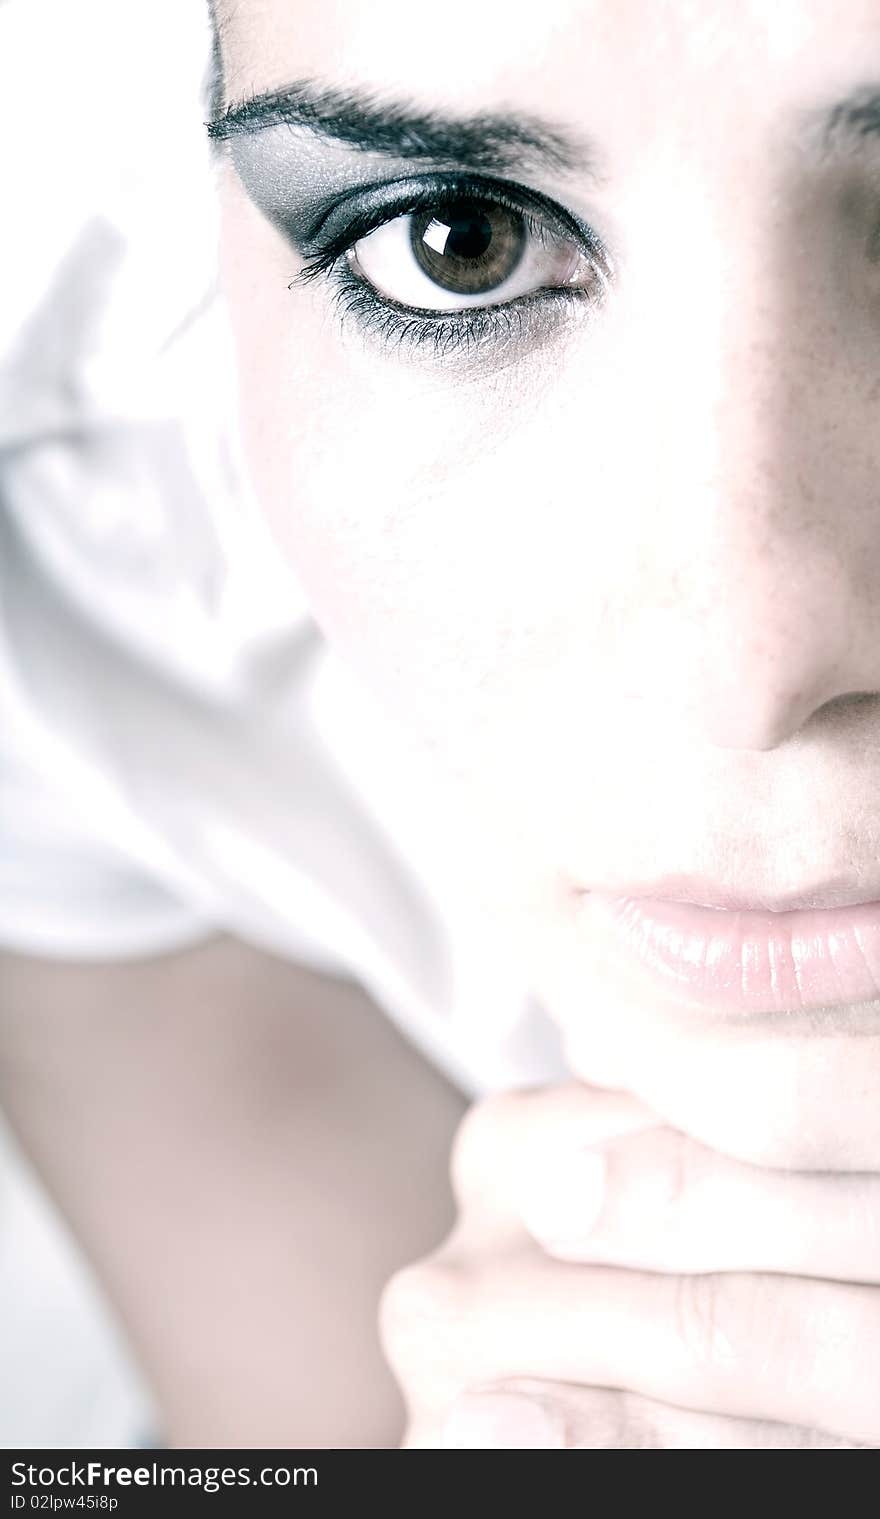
[181, 754]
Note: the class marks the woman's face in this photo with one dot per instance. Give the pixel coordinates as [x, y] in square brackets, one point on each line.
[611, 549]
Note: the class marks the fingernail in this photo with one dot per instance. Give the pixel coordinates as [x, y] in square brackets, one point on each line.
[500, 1421]
[562, 1204]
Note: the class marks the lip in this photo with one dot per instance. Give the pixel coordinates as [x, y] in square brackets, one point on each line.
[841, 891]
[745, 960]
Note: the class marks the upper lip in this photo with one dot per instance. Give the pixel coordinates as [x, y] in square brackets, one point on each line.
[839, 891]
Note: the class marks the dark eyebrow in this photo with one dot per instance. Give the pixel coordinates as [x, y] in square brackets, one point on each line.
[850, 120]
[488, 141]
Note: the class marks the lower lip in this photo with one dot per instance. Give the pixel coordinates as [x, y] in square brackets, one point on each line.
[748, 962]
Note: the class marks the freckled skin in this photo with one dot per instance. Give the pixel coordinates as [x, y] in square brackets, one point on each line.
[625, 588]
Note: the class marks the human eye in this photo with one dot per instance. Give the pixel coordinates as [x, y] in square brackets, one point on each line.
[456, 262]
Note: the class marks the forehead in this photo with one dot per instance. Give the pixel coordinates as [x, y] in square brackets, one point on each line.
[636, 66]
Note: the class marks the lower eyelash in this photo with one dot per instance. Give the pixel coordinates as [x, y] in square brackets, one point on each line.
[530, 318]
[449, 332]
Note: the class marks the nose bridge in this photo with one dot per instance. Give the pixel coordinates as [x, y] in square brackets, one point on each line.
[772, 637]
[772, 520]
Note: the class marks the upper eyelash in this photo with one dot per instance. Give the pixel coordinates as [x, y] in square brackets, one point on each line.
[524, 203]
[446, 329]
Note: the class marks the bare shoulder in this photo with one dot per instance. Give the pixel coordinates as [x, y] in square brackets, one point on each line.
[239, 1140]
[222, 993]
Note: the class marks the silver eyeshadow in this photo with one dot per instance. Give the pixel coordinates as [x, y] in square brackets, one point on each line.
[294, 177]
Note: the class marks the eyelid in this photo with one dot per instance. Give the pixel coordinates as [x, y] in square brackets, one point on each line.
[378, 204]
[507, 329]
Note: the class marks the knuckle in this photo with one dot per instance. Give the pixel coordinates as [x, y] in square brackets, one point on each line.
[477, 1140]
[637, 1427]
[506, 1129]
[419, 1307]
[677, 1168]
[613, 1420]
[706, 1321]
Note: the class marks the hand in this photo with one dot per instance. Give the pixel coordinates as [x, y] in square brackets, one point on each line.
[747, 1315]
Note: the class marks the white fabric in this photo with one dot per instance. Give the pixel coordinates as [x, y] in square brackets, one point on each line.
[180, 752]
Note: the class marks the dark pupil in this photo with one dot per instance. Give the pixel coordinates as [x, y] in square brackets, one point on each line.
[467, 247]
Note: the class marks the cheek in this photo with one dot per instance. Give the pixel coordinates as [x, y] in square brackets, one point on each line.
[418, 551]
[456, 540]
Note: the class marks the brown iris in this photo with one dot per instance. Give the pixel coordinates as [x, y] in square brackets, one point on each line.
[467, 246]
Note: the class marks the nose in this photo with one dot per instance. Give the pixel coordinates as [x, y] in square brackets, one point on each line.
[777, 553]
[784, 631]
[753, 598]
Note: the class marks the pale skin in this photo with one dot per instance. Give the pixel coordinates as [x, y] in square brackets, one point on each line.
[634, 571]
[658, 532]
[246, 1150]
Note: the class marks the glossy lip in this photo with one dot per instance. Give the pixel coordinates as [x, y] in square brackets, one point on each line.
[745, 960]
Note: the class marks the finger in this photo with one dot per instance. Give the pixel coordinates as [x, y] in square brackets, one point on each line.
[784, 1349]
[660, 1201]
[508, 1130]
[530, 1415]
